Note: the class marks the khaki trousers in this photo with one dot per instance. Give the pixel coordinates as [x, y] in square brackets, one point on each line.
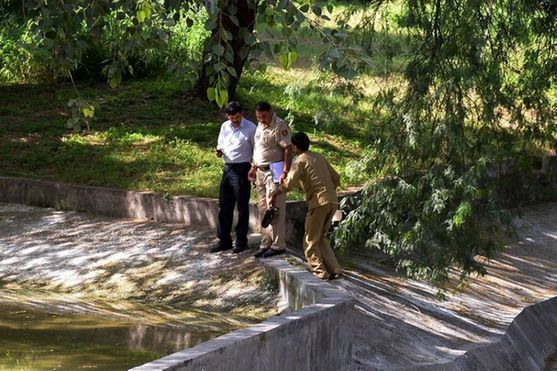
[317, 249]
[274, 235]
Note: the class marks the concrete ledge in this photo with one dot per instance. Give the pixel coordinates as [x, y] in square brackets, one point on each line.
[315, 337]
[110, 201]
[194, 211]
[527, 344]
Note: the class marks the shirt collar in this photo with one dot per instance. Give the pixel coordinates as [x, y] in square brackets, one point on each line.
[271, 123]
[239, 126]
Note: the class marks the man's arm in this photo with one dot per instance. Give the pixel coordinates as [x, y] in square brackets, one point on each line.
[220, 142]
[334, 175]
[287, 156]
[291, 181]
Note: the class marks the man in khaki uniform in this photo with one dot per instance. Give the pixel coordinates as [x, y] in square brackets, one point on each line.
[272, 145]
[318, 180]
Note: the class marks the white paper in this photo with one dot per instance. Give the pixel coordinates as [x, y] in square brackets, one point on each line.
[277, 168]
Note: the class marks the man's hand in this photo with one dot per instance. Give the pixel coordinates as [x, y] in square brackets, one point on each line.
[272, 199]
[252, 175]
[219, 152]
[283, 177]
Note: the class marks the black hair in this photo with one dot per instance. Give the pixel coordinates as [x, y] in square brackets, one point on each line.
[262, 106]
[233, 108]
[301, 141]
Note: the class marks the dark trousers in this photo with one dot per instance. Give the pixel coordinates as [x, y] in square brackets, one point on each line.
[235, 190]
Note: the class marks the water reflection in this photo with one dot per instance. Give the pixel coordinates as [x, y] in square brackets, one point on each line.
[54, 336]
[551, 364]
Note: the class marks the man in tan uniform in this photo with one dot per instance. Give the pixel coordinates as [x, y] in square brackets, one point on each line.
[318, 180]
[272, 145]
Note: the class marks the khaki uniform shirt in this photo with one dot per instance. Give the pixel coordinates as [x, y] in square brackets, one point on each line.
[270, 142]
[317, 178]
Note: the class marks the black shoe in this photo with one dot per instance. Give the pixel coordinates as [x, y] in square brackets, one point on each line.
[334, 276]
[220, 247]
[239, 248]
[269, 217]
[261, 252]
[272, 252]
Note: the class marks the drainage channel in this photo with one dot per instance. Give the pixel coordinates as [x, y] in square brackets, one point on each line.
[81, 291]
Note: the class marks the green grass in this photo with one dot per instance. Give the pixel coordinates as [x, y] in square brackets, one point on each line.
[151, 135]
[146, 135]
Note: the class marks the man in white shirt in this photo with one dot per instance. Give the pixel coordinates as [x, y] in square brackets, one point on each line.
[235, 144]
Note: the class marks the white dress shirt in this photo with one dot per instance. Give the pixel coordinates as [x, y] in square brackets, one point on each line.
[237, 143]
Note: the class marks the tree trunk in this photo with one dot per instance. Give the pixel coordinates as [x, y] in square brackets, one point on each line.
[246, 13]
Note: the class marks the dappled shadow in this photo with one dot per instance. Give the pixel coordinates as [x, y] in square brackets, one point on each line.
[154, 263]
[127, 290]
[428, 330]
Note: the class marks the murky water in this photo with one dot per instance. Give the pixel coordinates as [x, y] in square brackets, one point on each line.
[64, 333]
[92, 292]
[551, 364]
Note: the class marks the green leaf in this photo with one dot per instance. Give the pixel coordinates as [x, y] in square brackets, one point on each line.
[211, 94]
[143, 12]
[287, 60]
[218, 50]
[304, 8]
[89, 111]
[334, 53]
[221, 97]
[316, 10]
[232, 71]
[292, 58]
[283, 60]
[234, 20]
[464, 210]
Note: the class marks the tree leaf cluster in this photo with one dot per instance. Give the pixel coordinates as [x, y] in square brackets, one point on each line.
[479, 83]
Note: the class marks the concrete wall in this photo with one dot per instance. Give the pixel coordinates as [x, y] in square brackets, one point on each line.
[194, 211]
[315, 337]
[313, 334]
[527, 344]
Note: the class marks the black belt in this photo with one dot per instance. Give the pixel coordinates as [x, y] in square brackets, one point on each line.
[263, 168]
[234, 165]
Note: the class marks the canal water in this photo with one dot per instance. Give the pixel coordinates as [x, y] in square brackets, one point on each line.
[81, 292]
[551, 364]
[65, 333]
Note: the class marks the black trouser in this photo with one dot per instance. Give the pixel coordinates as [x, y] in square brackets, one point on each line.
[235, 189]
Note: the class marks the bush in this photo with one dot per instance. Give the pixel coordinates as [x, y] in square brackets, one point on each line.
[16, 62]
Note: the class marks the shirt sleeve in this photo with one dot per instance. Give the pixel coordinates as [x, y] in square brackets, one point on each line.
[252, 135]
[283, 135]
[334, 175]
[220, 140]
[293, 178]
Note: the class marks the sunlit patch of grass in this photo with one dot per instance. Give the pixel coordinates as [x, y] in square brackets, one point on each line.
[151, 135]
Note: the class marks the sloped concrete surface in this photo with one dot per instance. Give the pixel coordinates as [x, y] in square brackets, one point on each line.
[400, 324]
[121, 259]
[315, 336]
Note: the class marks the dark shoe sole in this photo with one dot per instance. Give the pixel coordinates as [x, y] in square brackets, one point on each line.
[269, 217]
[219, 249]
[239, 249]
[272, 252]
[260, 253]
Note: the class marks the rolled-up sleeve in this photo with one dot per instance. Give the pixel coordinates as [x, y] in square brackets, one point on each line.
[293, 178]
[334, 175]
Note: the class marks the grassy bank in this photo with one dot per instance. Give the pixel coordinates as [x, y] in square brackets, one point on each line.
[146, 135]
